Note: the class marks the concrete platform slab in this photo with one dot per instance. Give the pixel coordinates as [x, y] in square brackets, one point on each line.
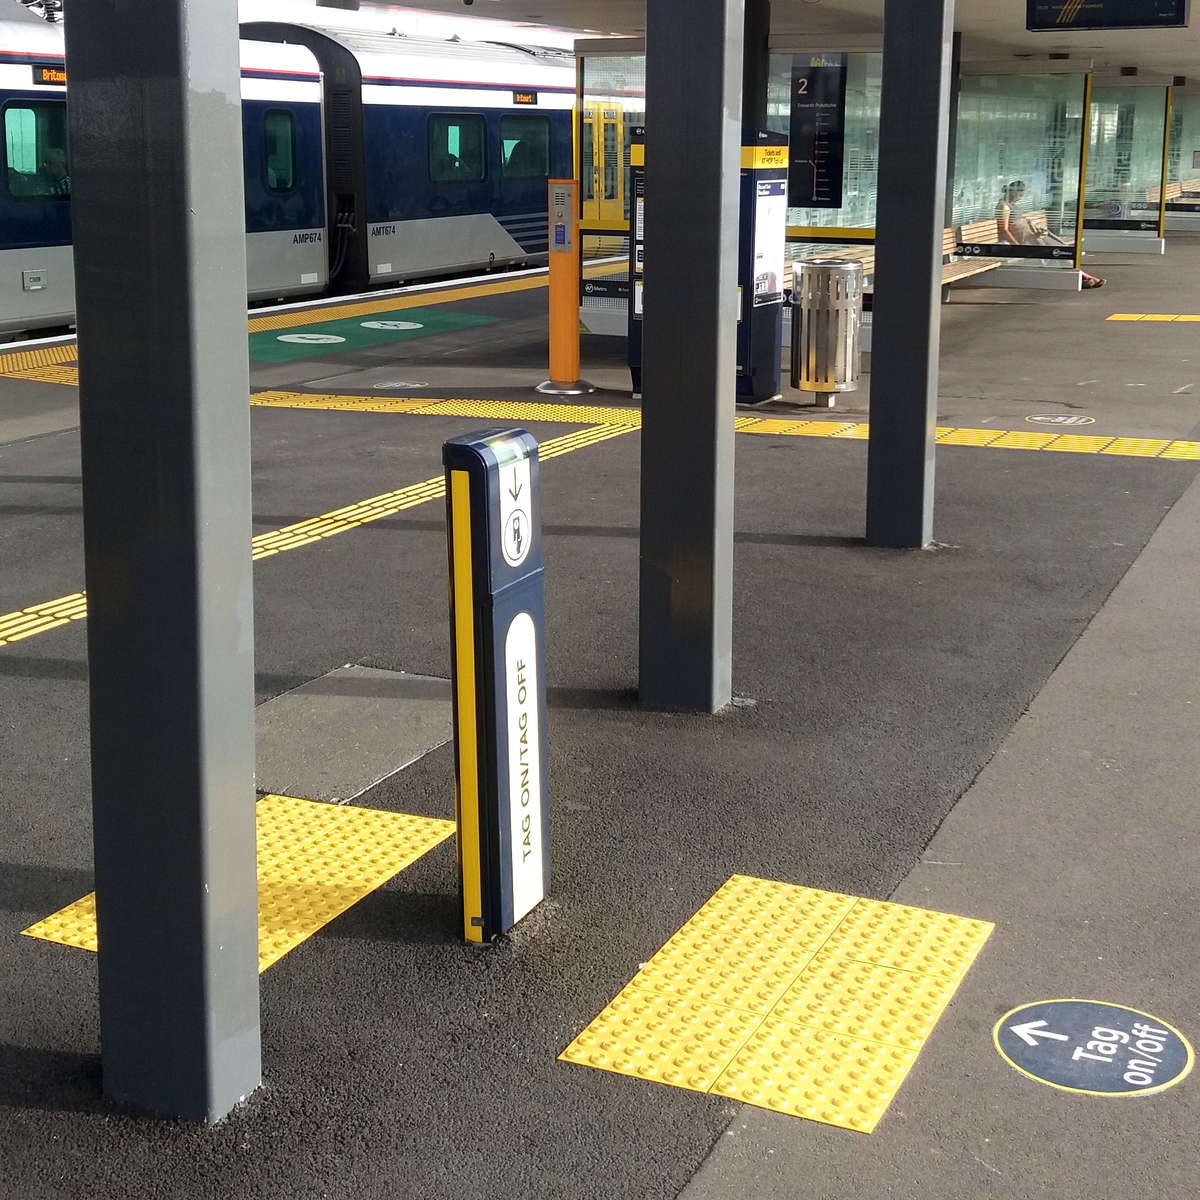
[339, 735]
[1078, 840]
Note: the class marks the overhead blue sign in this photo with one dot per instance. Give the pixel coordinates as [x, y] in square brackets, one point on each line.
[1043, 16]
[1093, 1047]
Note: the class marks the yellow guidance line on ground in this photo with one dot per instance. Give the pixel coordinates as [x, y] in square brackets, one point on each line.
[520, 410]
[44, 365]
[804, 1002]
[1153, 317]
[41, 618]
[315, 860]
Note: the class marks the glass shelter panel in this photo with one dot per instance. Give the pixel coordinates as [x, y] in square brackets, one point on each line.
[613, 105]
[1126, 126]
[1017, 167]
[1183, 161]
[860, 170]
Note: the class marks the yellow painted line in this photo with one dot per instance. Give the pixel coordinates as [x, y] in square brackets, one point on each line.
[467, 777]
[1154, 317]
[338, 312]
[41, 618]
[315, 861]
[805, 1002]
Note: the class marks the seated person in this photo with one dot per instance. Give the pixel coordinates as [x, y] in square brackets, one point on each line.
[1023, 231]
[55, 172]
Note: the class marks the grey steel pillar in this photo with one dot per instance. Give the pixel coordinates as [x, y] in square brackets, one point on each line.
[160, 265]
[914, 127]
[693, 155]
[756, 57]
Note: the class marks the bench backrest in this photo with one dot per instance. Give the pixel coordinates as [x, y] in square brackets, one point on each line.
[980, 233]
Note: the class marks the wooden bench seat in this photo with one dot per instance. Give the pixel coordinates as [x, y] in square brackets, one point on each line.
[953, 270]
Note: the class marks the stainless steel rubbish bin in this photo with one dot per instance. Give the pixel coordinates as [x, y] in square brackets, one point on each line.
[827, 326]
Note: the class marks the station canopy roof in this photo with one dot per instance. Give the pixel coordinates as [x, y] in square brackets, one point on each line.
[992, 29]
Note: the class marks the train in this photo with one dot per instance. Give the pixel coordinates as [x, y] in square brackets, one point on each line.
[369, 160]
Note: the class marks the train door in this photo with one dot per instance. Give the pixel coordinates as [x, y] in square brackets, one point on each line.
[603, 162]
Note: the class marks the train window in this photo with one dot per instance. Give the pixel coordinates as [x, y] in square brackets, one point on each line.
[587, 161]
[456, 148]
[37, 161]
[279, 144]
[525, 142]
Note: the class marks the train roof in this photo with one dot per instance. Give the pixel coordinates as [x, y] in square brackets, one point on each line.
[452, 60]
[381, 56]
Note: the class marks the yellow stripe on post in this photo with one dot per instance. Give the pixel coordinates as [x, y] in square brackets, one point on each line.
[467, 776]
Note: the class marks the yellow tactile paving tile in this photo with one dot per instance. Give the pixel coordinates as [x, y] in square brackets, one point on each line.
[652, 1035]
[1079, 443]
[67, 376]
[43, 356]
[1020, 440]
[803, 1072]
[315, 860]
[968, 437]
[836, 995]
[1137, 447]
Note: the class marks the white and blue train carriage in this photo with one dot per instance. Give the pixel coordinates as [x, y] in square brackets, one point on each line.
[367, 161]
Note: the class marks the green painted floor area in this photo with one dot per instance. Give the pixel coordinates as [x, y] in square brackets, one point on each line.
[356, 333]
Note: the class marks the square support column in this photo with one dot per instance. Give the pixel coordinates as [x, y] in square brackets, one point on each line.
[693, 163]
[160, 261]
[914, 128]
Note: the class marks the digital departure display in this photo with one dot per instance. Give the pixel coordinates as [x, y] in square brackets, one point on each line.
[49, 73]
[1044, 16]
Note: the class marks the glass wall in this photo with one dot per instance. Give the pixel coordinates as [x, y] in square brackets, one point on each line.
[1125, 157]
[864, 74]
[1183, 162]
[1018, 155]
[613, 106]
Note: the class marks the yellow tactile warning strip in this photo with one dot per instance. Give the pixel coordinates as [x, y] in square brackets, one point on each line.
[519, 410]
[15, 627]
[43, 356]
[501, 410]
[805, 1002]
[315, 860]
[67, 376]
[40, 618]
[1167, 317]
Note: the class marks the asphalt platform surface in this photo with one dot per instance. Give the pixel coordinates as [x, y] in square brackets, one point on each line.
[873, 688]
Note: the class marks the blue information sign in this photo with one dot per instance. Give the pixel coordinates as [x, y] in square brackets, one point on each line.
[1059, 15]
[1093, 1047]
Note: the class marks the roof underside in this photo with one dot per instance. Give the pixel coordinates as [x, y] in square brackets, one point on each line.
[992, 28]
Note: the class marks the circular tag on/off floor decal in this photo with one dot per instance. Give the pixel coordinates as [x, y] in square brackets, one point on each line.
[1093, 1047]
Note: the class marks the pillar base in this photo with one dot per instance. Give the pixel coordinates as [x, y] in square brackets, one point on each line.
[580, 387]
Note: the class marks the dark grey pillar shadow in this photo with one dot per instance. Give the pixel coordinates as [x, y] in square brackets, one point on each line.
[41, 890]
[401, 919]
[51, 1081]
